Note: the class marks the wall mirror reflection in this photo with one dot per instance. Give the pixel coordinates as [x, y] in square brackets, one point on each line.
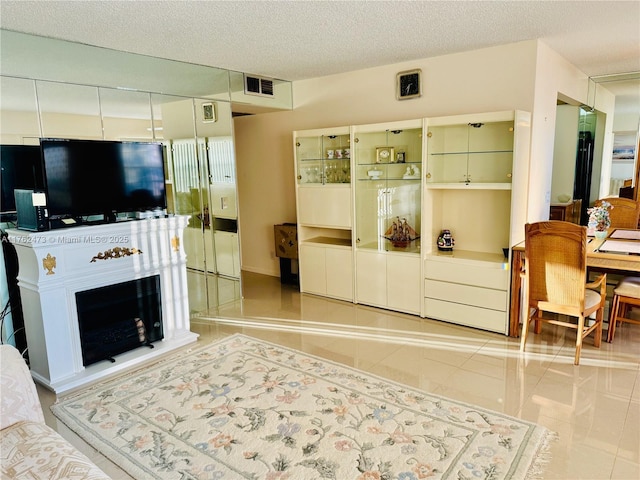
[128, 97]
[589, 163]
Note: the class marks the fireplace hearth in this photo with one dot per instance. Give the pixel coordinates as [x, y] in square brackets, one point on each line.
[118, 318]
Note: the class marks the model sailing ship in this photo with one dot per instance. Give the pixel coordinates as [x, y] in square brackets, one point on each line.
[400, 233]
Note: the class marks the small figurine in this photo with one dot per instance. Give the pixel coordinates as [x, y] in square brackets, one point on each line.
[412, 172]
[445, 241]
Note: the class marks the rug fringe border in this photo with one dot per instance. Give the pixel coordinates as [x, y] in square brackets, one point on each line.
[542, 456]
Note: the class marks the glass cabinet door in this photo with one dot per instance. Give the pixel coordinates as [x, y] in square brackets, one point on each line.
[323, 159]
[490, 152]
[388, 192]
[470, 153]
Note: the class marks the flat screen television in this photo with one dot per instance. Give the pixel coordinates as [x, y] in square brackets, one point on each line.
[20, 167]
[84, 178]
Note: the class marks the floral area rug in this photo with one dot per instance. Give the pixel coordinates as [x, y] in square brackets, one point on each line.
[241, 408]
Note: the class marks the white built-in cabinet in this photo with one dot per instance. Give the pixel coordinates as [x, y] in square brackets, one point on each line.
[324, 196]
[388, 200]
[388, 280]
[476, 174]
[373, 199]
[327, 269]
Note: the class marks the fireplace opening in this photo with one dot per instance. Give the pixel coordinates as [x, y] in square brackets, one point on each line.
[117, 318]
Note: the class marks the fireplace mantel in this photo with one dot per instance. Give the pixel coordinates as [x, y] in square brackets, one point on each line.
[55, 264]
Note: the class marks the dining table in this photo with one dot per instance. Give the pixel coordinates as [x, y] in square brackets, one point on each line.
[617, 253]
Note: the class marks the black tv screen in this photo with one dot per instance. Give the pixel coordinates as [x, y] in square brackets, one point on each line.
[20, 167]
[101, 177]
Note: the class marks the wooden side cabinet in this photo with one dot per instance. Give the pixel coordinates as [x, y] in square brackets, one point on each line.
[566, 212]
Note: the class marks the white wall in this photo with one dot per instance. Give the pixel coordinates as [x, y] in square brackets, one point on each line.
[626, 122]
[564, 151]
[526, 76]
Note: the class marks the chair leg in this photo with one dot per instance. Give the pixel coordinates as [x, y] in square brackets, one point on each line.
[599, 321]
[612, 318]
[525, 331]
[579, 334]
[538, 324]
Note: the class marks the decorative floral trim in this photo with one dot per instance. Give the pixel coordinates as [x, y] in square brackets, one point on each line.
[116, 252]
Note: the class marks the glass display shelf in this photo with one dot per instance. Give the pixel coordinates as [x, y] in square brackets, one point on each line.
[469, 186]
[470, 257]
[384, 245]
[409, 171]
[323, 159]
[388, 164]
[338, 242]
[472, 153]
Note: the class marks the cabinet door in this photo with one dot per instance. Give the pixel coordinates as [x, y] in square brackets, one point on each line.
[313, 272]
[388, 188]
[227, 255]
[491, 152]
[447, 154]
[473, 152]
[403, 283]
[194, 247]
[371, 278]
[209, 254]
[339, 267]
[327, 206]
[309, 157]
[323, 159]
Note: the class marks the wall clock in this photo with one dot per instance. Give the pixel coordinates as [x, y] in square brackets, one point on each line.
[408, 84]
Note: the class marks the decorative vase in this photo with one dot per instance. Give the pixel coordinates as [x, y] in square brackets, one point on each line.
[601, 234]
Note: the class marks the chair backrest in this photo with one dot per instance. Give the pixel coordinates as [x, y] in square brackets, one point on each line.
[625, 212]
[556, 266]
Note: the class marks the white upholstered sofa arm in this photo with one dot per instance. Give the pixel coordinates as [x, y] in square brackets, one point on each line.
[19, 398]
[29, 449]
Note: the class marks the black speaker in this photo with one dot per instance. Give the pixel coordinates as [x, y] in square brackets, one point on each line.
[15, 300]
[31, 208]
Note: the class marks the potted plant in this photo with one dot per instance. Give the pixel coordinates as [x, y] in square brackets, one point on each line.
[599, 220]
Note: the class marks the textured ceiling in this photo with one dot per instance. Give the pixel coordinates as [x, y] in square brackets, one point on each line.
[293, 40]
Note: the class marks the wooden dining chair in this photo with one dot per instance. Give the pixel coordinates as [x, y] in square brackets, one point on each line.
[625, 212]
[625, 295]
[555, 281]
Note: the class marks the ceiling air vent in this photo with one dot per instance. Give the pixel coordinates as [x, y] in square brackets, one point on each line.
[258, 86]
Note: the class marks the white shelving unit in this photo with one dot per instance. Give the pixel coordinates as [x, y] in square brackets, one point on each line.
[477, 171]
[465, 173]
[388, 214]
[323, 196]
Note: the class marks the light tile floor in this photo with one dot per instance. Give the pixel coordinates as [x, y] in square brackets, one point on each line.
[594, 407]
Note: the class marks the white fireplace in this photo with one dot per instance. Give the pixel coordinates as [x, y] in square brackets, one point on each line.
[56, 264]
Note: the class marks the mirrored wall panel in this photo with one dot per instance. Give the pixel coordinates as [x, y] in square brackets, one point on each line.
[19, 112]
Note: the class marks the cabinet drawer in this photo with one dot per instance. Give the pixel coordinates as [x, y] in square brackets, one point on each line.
[477, 317]
[467, 295]
[466, 274]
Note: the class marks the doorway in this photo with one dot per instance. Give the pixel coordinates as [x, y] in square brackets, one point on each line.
[577, 162]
